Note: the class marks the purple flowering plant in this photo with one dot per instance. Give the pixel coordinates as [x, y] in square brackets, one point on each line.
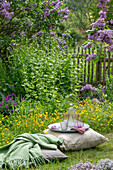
[29, 19]
[103, 164]
[7, 104]
[100, 35]
[88, 90]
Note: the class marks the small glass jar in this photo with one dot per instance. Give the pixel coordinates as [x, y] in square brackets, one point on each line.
[71, 114]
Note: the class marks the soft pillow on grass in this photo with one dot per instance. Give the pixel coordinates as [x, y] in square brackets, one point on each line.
[53, 154]
[77, 141]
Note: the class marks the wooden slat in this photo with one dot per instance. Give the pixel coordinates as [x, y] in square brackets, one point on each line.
[92, 73]
[82, 66]
[88, 69]
[78, 61]
[100, 71]
[104, 70]
[85, 68]
[97, 65]
[108, 64]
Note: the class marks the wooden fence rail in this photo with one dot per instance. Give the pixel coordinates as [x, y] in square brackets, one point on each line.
[93, 73]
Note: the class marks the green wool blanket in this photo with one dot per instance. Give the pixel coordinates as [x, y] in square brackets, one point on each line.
[25, 150]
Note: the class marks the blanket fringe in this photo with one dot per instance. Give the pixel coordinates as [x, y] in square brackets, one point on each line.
[25, 163]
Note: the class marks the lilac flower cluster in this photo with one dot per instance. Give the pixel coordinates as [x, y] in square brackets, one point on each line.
[110, 48]
[88, 87]
[100, 33]
[100, 23]
[83, 166]
[52, 34]
[4, 10]
[6, 105]
[102, 4]
[88, 45]
[103, 36]
[91, 56]
[23, 33]
[111, 21]
[55, 7]
[26, 8]
[105, 164]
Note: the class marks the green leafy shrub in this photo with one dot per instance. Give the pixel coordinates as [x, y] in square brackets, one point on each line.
[6, 83]
[43, 73]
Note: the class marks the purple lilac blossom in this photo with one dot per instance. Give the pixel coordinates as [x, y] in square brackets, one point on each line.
[6, 106]
[5, 6]
[65, 16]
[12, 94]
[65, 46]
[100, 23]
[88, 45]
[105, 36]
[64, 35]
[52, 34]
[25, 9]
[88, 87]
[23, 33]
[91, 57]
[40, 33]
[102, 14]
[93, 36]
[66, 11]
[110, 48]
[102, 4]
[102, 35]
[111, 21]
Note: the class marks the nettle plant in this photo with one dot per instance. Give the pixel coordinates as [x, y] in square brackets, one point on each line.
[100, 35]
[44, 73]
[28, 18]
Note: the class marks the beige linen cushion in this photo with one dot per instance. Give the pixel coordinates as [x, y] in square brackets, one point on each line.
[53, 154]
[77, 141]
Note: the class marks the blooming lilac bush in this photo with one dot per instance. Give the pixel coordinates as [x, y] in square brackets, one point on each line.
[7, 103]
[20, 19]
[100, 35]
